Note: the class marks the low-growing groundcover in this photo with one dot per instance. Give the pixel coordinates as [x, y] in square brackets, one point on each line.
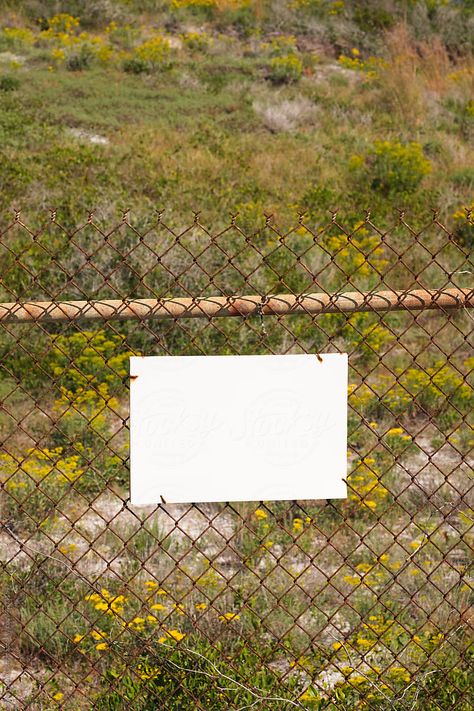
[179, 678]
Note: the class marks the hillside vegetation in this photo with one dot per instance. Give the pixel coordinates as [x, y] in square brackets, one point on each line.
[236, 106]
[248, 108]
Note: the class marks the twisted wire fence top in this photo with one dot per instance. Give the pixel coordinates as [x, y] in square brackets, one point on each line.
[364, 603]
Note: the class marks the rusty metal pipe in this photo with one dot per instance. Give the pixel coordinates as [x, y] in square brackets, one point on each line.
[218, 306]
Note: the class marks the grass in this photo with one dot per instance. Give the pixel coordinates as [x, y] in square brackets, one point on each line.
[172, 131]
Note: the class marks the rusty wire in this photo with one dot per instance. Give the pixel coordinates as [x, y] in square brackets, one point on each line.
[337, 605]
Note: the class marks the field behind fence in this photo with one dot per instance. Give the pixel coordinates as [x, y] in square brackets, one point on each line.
[362, 603]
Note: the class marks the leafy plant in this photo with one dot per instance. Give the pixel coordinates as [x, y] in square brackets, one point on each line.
[181, 676]
[9, 83]
[286, 69]
[88, 358]
[394, 167]
[151, 55]
[37, 482]
[81, 59]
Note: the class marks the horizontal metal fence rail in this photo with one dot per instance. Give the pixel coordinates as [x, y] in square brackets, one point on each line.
[364, 603]
[220, 306]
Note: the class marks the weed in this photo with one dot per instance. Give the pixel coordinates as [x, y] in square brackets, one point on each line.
[285, 69]
[9, 83]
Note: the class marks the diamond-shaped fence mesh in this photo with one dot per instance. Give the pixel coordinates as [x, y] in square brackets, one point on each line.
[361, 603]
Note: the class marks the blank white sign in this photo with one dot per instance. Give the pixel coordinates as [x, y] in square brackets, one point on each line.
[238, 428]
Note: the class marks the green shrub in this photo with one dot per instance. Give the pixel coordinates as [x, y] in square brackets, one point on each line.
[17, 38]
[149, 56]
[88, 358]
[36, 482]
[463, 230]
[8, 83]
[80, 60]
[322, 9]
[196, 41]
[286, 69]
[372, 17]
[396, 167]
[281, 46]
[181, 676]
[463, 178]
[134, 65]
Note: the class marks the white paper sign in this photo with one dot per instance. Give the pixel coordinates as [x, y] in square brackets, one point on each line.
[238, 428]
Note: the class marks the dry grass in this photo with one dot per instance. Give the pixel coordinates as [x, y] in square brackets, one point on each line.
[285, 115]
[418, 70]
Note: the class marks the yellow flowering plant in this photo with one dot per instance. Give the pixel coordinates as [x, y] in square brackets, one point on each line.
[196, 41]
[366, 490]
[151, 55]
[286, 69]
[37, 481]
[199, 5]
[17, 37]
[86, 416]
[88, 358]
[370, 67]
[357, 252]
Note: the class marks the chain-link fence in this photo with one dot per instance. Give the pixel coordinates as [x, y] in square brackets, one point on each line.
[361, 603]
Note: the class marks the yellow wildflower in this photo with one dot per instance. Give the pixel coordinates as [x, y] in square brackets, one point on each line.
[261, 514]
[400, 673]
[145, 672]
[365, 642]
[98, 634]
[92, 597]
[77, 638]
[172, 634]
[352, 579]
[309, 695]
[103, 606]
[229, 617]
[200, 606]
[58, 696]
[101, 646]
[297, 524]
[157, 606]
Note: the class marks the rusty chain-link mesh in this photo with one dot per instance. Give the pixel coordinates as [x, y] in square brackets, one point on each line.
[362, 603]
